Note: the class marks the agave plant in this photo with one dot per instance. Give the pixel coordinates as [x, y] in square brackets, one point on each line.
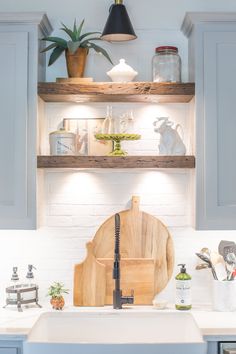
[77, 40]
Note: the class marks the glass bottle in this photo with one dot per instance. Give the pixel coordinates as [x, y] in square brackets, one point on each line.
[15, 283]
[166, 65]
[30, 283]
[107, 121]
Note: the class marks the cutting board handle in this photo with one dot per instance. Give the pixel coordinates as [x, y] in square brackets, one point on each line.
[135, 203]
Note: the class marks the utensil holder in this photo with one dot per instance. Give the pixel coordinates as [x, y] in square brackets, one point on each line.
[224, 295]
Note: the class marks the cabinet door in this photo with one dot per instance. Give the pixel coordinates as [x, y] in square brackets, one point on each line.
[14, 158]
[216, 133]
[8, 351]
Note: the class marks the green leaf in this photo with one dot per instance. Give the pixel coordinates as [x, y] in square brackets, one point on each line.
[75, 28]
[98, 49]
[70, 33]
[73, 46]
[57, 289]
[85, 43]
[61, 42]
[88, 34]
[53, 45]
[55, 55]
[79, 30]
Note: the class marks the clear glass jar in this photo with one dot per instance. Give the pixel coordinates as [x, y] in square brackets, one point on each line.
[166, 65]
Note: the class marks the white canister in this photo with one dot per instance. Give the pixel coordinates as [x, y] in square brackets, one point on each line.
[224, 295]
[62, 142]
[122, 72]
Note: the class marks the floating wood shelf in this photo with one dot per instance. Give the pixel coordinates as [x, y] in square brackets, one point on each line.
[117, 92]
[116, 162]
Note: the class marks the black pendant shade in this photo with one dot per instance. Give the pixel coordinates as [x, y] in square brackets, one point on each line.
[118, 27]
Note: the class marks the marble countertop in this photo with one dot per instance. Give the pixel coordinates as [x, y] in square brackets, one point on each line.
[16, 325]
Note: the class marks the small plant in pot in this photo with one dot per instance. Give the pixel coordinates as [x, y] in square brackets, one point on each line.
[55, 291]
[76, 48]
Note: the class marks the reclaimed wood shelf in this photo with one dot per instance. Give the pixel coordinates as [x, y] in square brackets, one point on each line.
[144, 92]
[116, 162]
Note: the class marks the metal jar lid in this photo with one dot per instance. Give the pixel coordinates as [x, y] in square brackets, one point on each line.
[166, 49]
[62, 131]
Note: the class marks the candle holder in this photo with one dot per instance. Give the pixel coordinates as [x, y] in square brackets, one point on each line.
[117, 138]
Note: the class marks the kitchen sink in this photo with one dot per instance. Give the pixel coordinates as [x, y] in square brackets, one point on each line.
[115, 332]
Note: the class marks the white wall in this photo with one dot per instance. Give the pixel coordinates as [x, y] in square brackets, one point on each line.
[77, 202]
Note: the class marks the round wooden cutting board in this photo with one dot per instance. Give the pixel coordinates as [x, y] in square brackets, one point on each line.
[143, 236]
[147, 260]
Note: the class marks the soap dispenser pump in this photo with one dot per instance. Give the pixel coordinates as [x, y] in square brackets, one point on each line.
[15, 278]
[30, 276]
[183, 289]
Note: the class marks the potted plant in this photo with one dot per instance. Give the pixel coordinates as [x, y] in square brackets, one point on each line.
[55, 291]
[76, 48]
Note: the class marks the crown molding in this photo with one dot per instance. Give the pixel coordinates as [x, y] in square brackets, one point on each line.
[22, 18]
[193, 18]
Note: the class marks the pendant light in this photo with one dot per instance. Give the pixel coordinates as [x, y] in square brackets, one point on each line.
[118, 27]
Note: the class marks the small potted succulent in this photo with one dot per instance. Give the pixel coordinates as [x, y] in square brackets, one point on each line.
[76, 48]
[55, 291]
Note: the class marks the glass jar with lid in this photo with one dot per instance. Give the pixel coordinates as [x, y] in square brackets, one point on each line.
[166, 65]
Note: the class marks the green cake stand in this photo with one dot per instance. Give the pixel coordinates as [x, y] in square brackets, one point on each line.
[117, 138]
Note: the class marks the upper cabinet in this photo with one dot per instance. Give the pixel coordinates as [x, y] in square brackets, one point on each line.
[19, 72]
[212, 65]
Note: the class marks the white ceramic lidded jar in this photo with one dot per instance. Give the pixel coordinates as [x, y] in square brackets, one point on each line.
[62, 142]
[166, 65]
[122, 72]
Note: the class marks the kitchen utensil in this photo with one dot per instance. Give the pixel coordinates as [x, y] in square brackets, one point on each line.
[230, 260]
[219, 265]
[208, 261]
[217, 262]
[202, 266]
[231, 247]
[206, 251]
[89, 281]
[147, 256]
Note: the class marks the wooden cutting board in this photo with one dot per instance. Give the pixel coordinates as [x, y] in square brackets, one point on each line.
[147, 255]
[89, 281]
[137, 274]
[142, 236]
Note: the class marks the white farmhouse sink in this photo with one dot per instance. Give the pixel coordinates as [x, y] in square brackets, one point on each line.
[116, 333]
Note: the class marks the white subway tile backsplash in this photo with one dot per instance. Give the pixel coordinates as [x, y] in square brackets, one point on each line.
[75, 203]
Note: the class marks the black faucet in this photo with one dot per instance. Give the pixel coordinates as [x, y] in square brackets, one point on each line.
[118, 299]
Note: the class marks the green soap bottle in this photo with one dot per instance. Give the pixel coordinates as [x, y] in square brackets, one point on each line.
[183, 289]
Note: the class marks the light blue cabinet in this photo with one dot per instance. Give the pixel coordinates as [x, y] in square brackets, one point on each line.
[9, 351]
[19, 72]
[212, 65]
[11, 347]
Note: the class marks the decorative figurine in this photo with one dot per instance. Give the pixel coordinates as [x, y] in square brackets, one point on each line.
[170, 141]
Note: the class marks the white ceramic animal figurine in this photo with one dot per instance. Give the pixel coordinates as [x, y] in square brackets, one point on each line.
[170, 141]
